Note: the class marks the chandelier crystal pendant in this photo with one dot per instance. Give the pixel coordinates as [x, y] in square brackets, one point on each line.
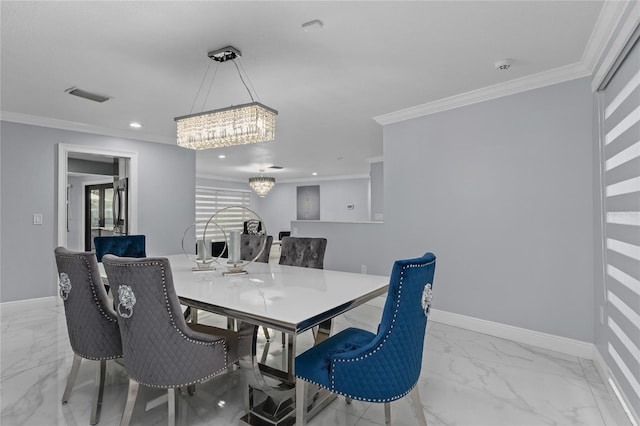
[235, 125]
[262, 184]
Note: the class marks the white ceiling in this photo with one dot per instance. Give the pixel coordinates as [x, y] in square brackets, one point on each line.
[371, 58]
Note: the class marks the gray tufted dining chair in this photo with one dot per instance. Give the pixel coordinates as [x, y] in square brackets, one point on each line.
[160, 349]
[250, 245]
[91, 321]
[304, 252]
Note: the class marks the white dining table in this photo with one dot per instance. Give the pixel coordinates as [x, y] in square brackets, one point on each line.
[285, 298]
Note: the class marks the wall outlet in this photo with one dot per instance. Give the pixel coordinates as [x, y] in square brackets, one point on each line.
[363, 269]
[350, 206]
[37, 218]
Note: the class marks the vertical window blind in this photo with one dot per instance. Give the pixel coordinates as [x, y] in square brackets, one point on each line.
[211, 200]
[620, 148]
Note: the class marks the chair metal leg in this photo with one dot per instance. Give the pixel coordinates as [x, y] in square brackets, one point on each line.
[387, 413]
[417, 406]
[71, 380]
[173, 402]
[300, 402]
[131, 402]
[101, 369]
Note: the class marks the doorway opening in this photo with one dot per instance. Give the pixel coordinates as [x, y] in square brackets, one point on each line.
[80, 167]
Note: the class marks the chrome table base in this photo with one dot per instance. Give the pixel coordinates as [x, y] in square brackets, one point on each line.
[270, 405]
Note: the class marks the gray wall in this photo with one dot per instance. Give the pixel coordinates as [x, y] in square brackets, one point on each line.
[377, 191]
[29, 174]
[278, 208]
[349, 245]
[501, 192]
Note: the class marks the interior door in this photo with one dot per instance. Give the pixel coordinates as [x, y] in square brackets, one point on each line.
[98, 213]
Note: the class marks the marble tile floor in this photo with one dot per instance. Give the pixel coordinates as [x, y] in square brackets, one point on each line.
[467, 379]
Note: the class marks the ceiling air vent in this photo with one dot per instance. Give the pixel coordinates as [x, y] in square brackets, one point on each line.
[87, 95]
[276, 167]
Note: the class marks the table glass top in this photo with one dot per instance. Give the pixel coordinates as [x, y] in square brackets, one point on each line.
[285, 297]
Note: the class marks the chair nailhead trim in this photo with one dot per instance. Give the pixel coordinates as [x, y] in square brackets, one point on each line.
[198, 342]
[93, 289]
[386, 337]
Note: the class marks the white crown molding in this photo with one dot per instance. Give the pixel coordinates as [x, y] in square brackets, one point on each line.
[323, 179]
[608, 20]
[626, 30]
[606, 24]
[551, 342]
[518, 85]
[55, 123]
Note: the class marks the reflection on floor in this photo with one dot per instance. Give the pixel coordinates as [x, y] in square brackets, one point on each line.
[467, 379]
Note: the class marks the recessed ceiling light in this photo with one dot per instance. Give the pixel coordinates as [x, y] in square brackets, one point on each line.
[222, 156]
[314, 174]
[135, 125]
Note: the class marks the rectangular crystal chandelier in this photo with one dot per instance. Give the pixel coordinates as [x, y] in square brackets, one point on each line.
[234, 125]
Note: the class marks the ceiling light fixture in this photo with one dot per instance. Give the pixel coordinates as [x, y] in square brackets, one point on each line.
[235, 125]
[135, 125]
[262, 184]
[222, 156]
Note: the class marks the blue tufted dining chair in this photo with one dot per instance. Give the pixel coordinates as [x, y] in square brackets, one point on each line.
[160, 349]
[91, 321]
[380, 367]
[120, 245]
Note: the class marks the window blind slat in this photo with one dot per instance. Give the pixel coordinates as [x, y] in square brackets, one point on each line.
[625, 202]
[625, 171]
[210, 201]
[624, 233]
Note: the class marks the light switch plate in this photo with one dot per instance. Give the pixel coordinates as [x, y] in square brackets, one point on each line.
[37, 218]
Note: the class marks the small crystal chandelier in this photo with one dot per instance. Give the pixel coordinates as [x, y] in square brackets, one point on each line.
[262, 184]
[235, 125]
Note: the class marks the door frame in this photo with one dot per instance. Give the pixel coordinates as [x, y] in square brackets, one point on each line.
[63, 168]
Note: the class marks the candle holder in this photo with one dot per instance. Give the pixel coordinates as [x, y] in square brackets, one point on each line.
[198, 248]
[232, 237]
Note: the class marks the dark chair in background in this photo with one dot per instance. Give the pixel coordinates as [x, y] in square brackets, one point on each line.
[219, 248]
[380, 367]
[120, 245]
[160, 349]
[91, 321]
[305, 252]
[283, 234]
[251, 245]
[252, 227]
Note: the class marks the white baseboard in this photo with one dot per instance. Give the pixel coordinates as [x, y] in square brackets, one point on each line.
[552, 342]
[39, 303]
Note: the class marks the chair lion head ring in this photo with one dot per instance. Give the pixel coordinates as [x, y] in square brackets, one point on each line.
[160, 349]
[380, 367]
[91, 321]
